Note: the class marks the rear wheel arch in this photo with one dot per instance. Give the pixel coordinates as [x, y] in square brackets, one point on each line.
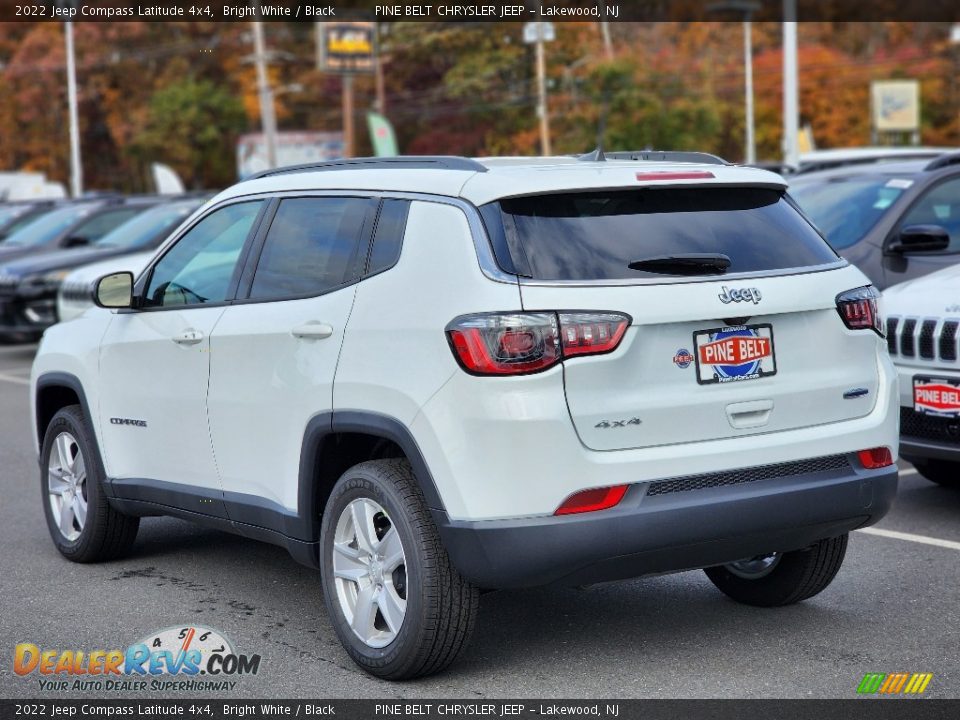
[335, 441]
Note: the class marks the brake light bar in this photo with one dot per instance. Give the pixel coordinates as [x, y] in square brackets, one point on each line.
[859, 310]
[520, 343]
[676, 175]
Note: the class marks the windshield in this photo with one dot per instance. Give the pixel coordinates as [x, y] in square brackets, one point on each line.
[846, 209]
[148, 227]
[610, 234]
[47, 227]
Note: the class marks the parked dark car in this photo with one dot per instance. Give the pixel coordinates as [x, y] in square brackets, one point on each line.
[895, 221]
[28, 287]
[73, 224]
[15, 215]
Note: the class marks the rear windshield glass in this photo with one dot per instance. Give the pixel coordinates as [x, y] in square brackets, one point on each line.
[597, 235]
[846, 209]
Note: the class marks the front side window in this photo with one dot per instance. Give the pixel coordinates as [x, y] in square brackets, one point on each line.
[311, 247]
[939, 206]
[199, 267]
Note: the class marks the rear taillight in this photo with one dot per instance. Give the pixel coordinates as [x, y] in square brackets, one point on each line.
[522, 343]
[592, 500]
[858, 309]
[874, 458]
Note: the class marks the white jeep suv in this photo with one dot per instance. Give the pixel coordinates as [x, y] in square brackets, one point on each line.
[923, 332]
[432, 376]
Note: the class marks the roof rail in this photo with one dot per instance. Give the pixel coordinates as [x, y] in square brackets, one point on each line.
[664, 156]
[402, 162]
[945, 160]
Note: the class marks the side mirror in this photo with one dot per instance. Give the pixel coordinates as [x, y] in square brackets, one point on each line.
[920, 238]
[76, 241]
[114, 290]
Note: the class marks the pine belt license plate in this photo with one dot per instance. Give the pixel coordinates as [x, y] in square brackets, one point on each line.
[736, 353]
[936, 396]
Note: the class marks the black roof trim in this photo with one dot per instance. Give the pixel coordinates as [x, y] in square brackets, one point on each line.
[403, 162]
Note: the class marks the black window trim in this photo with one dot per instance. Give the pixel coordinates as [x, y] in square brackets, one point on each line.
[898, 224]
[373, 236]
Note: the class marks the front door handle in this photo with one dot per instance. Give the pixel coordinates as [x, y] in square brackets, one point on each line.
[313, 330]
[188, 337]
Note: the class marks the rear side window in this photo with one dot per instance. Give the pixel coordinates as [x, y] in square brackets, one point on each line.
[597, 235]
[311, 247]
[388, 237]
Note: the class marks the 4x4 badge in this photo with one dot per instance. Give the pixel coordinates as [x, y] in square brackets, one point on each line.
[742, 295]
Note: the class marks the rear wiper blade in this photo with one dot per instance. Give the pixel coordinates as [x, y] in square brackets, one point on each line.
[684, 264]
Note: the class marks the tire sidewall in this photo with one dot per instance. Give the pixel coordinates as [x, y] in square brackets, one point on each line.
[70, 420]
[362, 482]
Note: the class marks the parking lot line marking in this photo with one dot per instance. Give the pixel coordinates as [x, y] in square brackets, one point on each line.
[14, 379]
[909, 471]
[910, 537]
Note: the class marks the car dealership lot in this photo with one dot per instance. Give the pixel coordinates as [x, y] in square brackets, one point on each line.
[891, 609]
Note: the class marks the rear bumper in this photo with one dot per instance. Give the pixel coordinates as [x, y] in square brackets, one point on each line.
[649, 534]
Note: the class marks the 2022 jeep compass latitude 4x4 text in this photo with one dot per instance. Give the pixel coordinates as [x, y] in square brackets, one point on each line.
[432, 376]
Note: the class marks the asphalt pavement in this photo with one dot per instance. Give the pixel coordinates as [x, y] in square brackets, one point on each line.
[892, 608]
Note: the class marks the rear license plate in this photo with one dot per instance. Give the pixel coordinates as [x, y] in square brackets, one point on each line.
[936, 396]
[732, 354]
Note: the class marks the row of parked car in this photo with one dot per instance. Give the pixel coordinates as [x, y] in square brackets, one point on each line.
[44, 243]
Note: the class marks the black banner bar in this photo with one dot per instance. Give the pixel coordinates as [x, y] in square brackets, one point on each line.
[855, 709]
[462, 11]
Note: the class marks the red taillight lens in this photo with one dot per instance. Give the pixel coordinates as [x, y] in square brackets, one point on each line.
[858, 309]
[522, 343]
[591, 333]
[878, 457]
[592, 500]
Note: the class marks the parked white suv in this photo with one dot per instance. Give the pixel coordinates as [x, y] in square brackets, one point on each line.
[431, 376]
[922, 333]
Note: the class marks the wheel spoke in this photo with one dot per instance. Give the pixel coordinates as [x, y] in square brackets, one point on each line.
[80, 510]
[366, 534]
[348, 563]
[79, 468]
[56, 482]
[365, 613]
[391, 550]
[66, 518]
[64, 456]
[392, 607]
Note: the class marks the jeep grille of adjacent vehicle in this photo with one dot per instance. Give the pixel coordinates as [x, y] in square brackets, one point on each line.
[935, 341]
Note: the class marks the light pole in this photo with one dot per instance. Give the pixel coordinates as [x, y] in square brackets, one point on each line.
[791, 85]
[748, 8]
[76, 169]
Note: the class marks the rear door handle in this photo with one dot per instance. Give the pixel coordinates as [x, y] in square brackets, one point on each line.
[188, 337]
[313, 330]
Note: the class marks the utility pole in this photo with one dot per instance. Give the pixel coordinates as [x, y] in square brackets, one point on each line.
[268, 118]
[378, 79]
[76, 169]
[791, 83]
[348, 143]
[605, 33]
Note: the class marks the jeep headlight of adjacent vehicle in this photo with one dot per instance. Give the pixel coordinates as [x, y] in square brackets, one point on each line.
[45, 282]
